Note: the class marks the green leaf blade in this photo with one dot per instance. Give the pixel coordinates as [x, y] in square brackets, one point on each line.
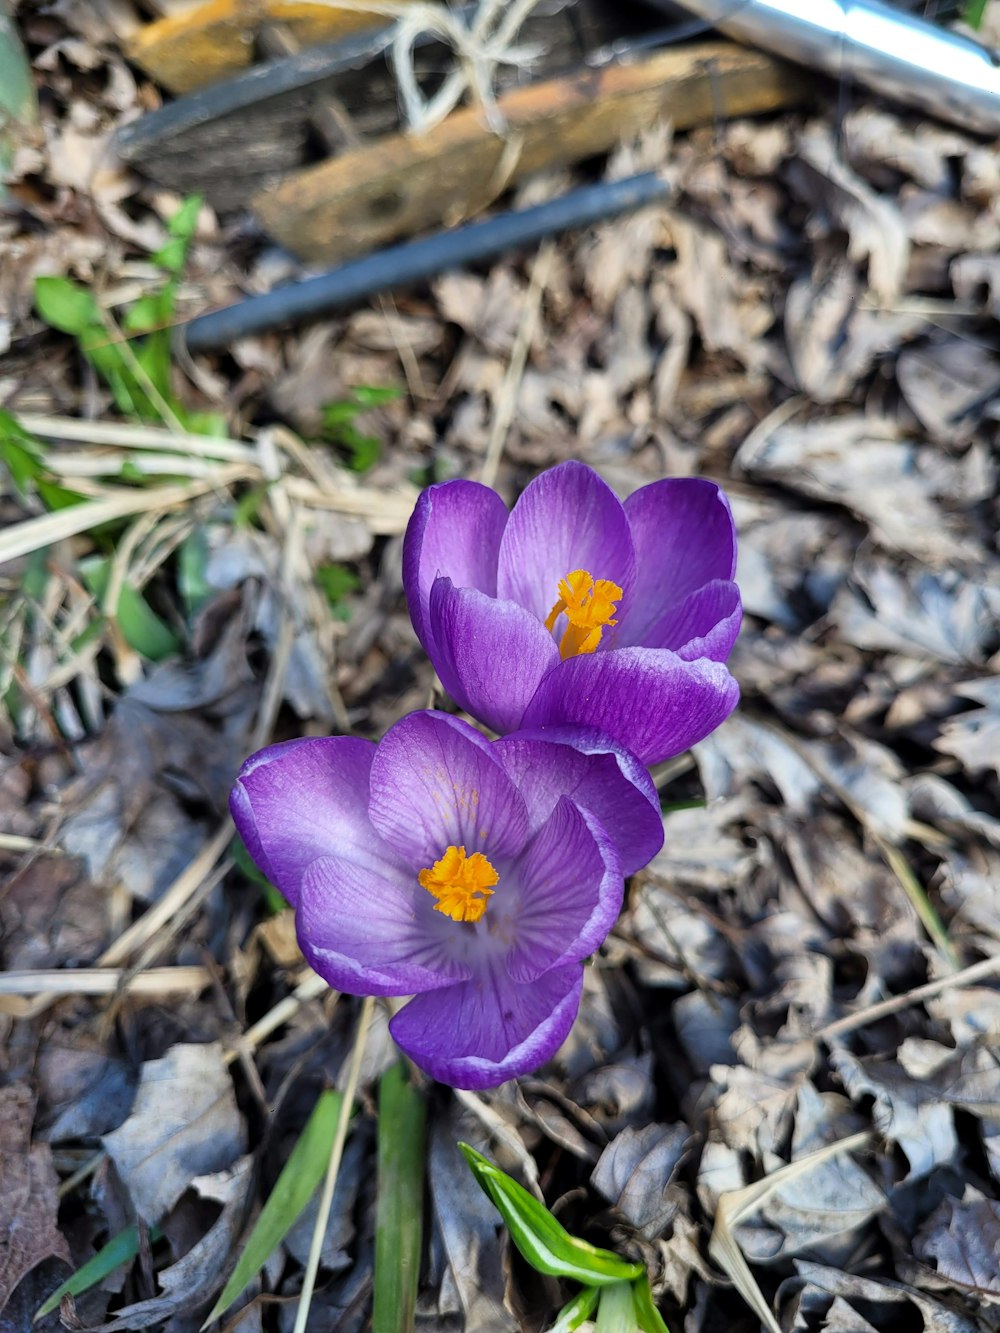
[293, 1189]
[402, 1122]
[119, 1250]
[543, 1241]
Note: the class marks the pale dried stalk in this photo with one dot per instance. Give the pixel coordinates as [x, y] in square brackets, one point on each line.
[309, 989]
[333, 1169]
[737, 1204]
[387, 512]
[104, 981]
[987, 967]
[187, 883]
[125, 435]
[47, 529]
[507, 401]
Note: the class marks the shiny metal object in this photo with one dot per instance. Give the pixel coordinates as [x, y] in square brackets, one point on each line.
[895, 53]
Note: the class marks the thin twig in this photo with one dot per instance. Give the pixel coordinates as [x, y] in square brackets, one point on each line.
[507, 400]
[332, 1171]
[987, 967]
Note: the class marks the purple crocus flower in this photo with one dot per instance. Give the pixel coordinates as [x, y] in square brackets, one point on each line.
[576, 609]
[475, 876]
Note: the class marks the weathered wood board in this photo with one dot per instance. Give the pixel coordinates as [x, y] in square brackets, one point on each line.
[402, 185]
[214, 40]
[232, 140]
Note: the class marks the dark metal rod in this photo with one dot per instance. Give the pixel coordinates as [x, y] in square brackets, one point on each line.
[414, 261]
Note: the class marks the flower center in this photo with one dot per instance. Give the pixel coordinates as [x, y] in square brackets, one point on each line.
[457, 880]
[589, 605]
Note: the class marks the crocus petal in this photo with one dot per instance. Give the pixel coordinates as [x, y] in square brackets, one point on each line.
[435, 784]
[717, 642]
[375, 935]
[569, 893]
[710, 616]
[484, 1031]
[566, 519]
[491, 655]
[454, 532]
[301, 799]
[684, 536]
[595, 773]
[648, 699]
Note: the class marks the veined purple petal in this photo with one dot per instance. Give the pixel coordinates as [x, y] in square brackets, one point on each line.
[302, 799]
[710, 615]
[435, 783]
[570, 890]
[373, 934]
[648, 699]
[717, 642]
[566, 519]
[597, 774]
[491, 655]
[684, 536]
[454, 532]
[484, 1031]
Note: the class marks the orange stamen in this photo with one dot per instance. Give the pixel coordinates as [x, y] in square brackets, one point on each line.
[456, 880]
[589, 605]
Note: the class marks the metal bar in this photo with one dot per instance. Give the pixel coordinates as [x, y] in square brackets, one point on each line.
[414, 261]
[895, 53]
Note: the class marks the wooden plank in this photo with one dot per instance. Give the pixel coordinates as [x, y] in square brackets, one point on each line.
[231, 140]
[401, 185]
[214, 40]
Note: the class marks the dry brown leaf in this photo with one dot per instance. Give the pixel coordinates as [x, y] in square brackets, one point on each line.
[29, 1204]
[184, 1124]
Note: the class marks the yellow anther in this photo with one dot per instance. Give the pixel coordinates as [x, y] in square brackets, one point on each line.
[589, 605]
[457, 880]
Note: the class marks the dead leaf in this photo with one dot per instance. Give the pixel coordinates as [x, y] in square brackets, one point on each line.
[29, 1204]
[188, 1285]
[635, 1172]
[874, 226]
[947, 615]
[184, 1124]
[812, 1293]
[974, 738]
[949, 385]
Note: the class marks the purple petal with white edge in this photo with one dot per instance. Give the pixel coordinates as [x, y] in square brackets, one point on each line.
[484, 1031]
[717, 643]
[570, 889]
[684, 536]
[710, 615]
[435, 784]
[595, 773]
[566, 519]
[648, 699]
[491, 655]
[302, 799]
[454, 532]
[376, 935]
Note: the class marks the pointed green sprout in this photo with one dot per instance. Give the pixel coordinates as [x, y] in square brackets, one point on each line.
[543, 1241]
[119, 1250]
[617, 1289]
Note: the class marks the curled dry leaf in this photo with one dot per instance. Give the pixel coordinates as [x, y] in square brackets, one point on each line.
[184, 1124]
[29, 1204]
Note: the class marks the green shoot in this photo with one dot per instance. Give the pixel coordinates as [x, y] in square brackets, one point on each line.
[402, 1118]
[136, 369]
[119, 1250]
[141, 628]
[619, 1290]
[973, 13]
[361, 451]
[293, 1189]
[337, 581]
